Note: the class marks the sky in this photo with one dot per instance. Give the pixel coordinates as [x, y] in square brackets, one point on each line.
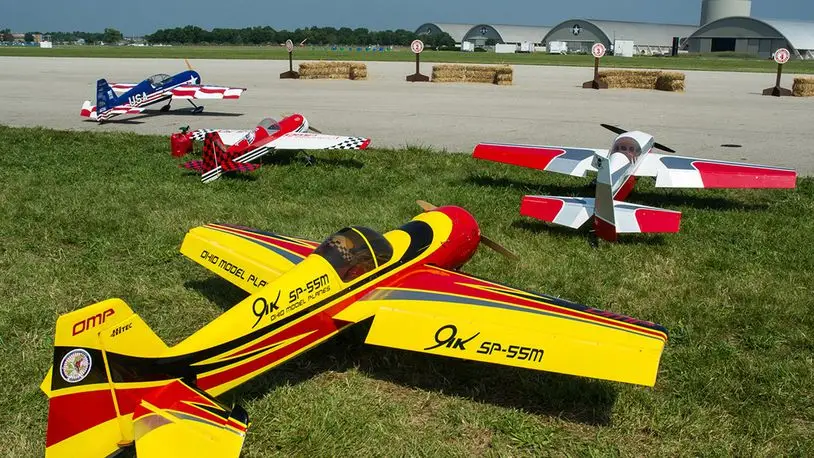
[94, 16]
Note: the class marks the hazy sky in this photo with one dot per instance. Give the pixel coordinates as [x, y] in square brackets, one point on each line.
[94, 16]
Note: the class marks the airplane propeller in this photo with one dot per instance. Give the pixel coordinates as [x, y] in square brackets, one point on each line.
[620, 131]
[428, 207]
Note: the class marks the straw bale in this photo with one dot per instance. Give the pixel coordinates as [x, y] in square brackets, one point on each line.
[454, 73]
[803, 86]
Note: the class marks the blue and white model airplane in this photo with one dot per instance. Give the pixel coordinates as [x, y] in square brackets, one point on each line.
[125, 98]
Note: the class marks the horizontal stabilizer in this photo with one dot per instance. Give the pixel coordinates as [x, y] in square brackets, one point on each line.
[565, 211]
[569, 161]
[688, 172]
[180, 420]
[632, 218]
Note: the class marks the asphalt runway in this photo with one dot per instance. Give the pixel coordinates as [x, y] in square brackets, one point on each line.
[546, 105]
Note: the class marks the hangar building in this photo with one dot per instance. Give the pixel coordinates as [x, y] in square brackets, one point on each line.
[580, 34]
[754, 36]
[479, 33]
[727, 25]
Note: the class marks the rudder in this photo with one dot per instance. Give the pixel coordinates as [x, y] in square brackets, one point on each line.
[105, 97]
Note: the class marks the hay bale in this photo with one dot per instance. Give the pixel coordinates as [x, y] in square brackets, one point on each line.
[453, 73]
[333, 70]
[629, 79]
[671, 81]
[643, 79]
[803, 86]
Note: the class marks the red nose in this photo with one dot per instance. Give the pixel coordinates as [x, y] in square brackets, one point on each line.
[463, 239]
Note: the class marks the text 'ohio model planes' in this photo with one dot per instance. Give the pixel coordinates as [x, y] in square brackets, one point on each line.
[233, 150]
[126, 98]
[114, 381]
[630, 156]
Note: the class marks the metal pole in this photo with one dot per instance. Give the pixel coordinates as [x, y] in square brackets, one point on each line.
[779, 75]
[416, 62]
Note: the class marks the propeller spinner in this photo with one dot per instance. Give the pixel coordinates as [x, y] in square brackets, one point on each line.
[428, 207]
[620, 131]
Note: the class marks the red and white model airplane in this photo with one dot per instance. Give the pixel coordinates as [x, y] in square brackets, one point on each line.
[233, 150]
[630, 157]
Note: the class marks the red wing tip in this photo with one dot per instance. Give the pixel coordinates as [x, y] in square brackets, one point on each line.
[661, 221]
[542, 208]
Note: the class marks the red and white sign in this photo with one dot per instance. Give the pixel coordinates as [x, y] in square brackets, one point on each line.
[417, 46]
[782, 55]
[289, 45]
[598, 50]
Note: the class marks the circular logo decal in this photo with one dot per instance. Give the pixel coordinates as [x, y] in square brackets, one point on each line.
[75, 366]
[417, 46]
[576, 29]
[782, 55]
[598, 50]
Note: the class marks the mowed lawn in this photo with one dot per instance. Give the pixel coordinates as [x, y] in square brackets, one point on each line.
[88, 216]
[710, 62]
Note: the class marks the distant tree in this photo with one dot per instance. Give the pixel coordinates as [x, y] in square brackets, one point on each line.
[29, 37]
[112, 36]
[491, 42]
[5, 35]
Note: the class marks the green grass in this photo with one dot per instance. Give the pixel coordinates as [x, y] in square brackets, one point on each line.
[87, 216]
[683, 62]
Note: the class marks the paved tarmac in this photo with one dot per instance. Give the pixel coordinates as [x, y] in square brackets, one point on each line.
[546, 105]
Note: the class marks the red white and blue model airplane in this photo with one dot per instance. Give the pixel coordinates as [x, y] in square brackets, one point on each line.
[630, 156]
[127, 98]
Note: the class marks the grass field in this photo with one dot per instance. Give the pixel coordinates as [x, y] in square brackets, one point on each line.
[683, 62]
[88, 216]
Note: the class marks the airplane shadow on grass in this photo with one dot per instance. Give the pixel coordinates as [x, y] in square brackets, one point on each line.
[575, 399]
[139, 118]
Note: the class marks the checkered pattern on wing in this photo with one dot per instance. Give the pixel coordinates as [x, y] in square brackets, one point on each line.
[200, 134]
[350, 143]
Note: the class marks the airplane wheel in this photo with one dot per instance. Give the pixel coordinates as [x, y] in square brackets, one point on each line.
[197, 110]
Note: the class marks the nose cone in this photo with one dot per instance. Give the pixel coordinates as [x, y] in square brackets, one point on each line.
[463, 239]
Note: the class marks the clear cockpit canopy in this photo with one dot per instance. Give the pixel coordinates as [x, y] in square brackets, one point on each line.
[158, 79]
[355, 251]
[269, 124]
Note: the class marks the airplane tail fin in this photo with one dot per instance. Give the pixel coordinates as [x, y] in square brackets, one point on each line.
[216, 159]
[105, 97]
[104, 393]
[83, 406]
[613, 217]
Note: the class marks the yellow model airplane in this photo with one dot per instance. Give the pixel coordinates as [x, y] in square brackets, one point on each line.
[114, 382]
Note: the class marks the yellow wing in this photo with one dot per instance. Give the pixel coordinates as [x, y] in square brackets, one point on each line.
[246, 257]
[436, 311]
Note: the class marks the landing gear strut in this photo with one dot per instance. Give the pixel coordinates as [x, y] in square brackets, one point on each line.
[197, 109]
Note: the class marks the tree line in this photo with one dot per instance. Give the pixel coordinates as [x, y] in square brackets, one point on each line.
[312, 35]
[110, 35]
[194, 35]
